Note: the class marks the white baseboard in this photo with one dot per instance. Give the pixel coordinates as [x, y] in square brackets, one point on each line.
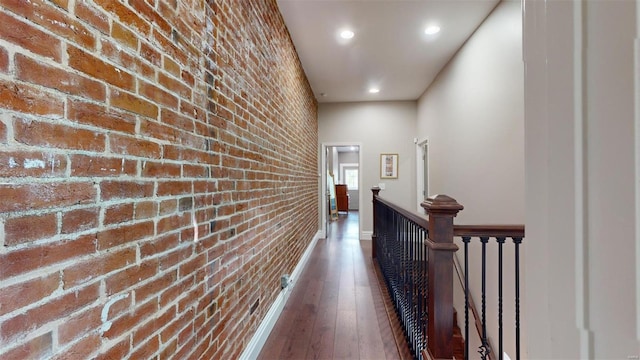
[260, 337]
[366, 235]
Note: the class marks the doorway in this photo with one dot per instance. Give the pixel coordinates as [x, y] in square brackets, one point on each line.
[344, 162]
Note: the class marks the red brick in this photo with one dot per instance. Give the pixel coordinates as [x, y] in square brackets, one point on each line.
[112, 51]
[128, 321]
[84, 165]
[36, 348]
[133, 103]
[158, 245]
[30, 38]
[117, 351]
[94, 67]
[168, 350]
[20, 230]
[37, 133]
[127, 278]
[94, 17]
[172, 188]
[155, 287]
[194, 171]
[63, 4]
[174, 86]
[21, 261]
[150, 54]
[80, 350]
[99, 116]
[124, 234]
[147, 349]
[156, 130]
[58, 308]
[36, 164]
[176, 291]
[153, 169]
[51, 18]
[28, 99]
[111, 190]
[145, 210]
[80, 220]
[171, 66]
[169, 260]
[143, 8]
[177, 120]
[157, 95]
[40, 73]
[127, 16]
[126, 145]
[89, 270]
[173, 223]
[79, 325]
[168, 207]
[21, 197]
[3, 133]
[4, 60]
[119, 213]
[28, 292]
[124, 36]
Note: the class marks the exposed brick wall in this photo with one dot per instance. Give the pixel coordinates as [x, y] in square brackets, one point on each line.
[122, 124]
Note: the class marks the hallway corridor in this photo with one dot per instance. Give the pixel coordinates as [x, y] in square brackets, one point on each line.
[336, 310]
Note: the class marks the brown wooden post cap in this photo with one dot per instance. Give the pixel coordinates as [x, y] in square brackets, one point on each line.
[441, 204]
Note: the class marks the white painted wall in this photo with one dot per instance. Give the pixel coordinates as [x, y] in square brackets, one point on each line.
[473, 117]
[380, 127]
[581, 223]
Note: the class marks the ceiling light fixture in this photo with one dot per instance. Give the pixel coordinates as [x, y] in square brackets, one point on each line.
[346, 34]
[374, 90]
[432, 30]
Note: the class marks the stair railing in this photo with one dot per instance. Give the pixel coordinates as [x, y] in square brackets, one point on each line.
[416, 259]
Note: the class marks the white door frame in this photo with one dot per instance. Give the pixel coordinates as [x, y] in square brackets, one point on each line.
[420, 174]
[323, 187]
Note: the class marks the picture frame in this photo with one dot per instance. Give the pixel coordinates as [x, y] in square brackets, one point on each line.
[388, 166]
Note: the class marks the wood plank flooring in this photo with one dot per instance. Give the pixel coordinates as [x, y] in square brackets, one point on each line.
[336, 310]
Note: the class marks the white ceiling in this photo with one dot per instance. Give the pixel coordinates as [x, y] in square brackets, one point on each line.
[389, 50]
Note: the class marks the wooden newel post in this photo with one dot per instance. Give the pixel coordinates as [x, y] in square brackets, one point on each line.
[441, 210]
[374, 236]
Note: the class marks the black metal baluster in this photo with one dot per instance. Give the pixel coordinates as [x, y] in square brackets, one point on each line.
[484, 348]
[465, 240]
[500, 344]
[517, 241]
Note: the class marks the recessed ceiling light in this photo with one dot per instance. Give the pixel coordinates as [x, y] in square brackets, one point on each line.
[346, 34]
[353, 148]
[432, 30]
[374, 90]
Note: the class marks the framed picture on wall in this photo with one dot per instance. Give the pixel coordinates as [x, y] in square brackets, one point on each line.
[388, 166]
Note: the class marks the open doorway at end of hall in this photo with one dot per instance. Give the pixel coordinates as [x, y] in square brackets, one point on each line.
[342, 182]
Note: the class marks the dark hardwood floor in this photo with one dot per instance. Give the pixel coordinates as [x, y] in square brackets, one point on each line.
[336, 310]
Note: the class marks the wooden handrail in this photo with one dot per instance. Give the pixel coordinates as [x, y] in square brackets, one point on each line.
[489, 230]
[419, 219]
[441, 210]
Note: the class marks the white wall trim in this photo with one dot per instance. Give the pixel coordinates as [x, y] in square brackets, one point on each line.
[366, 235]
[580, 198]
[420, 175]
[637, 154]
[264, 330]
